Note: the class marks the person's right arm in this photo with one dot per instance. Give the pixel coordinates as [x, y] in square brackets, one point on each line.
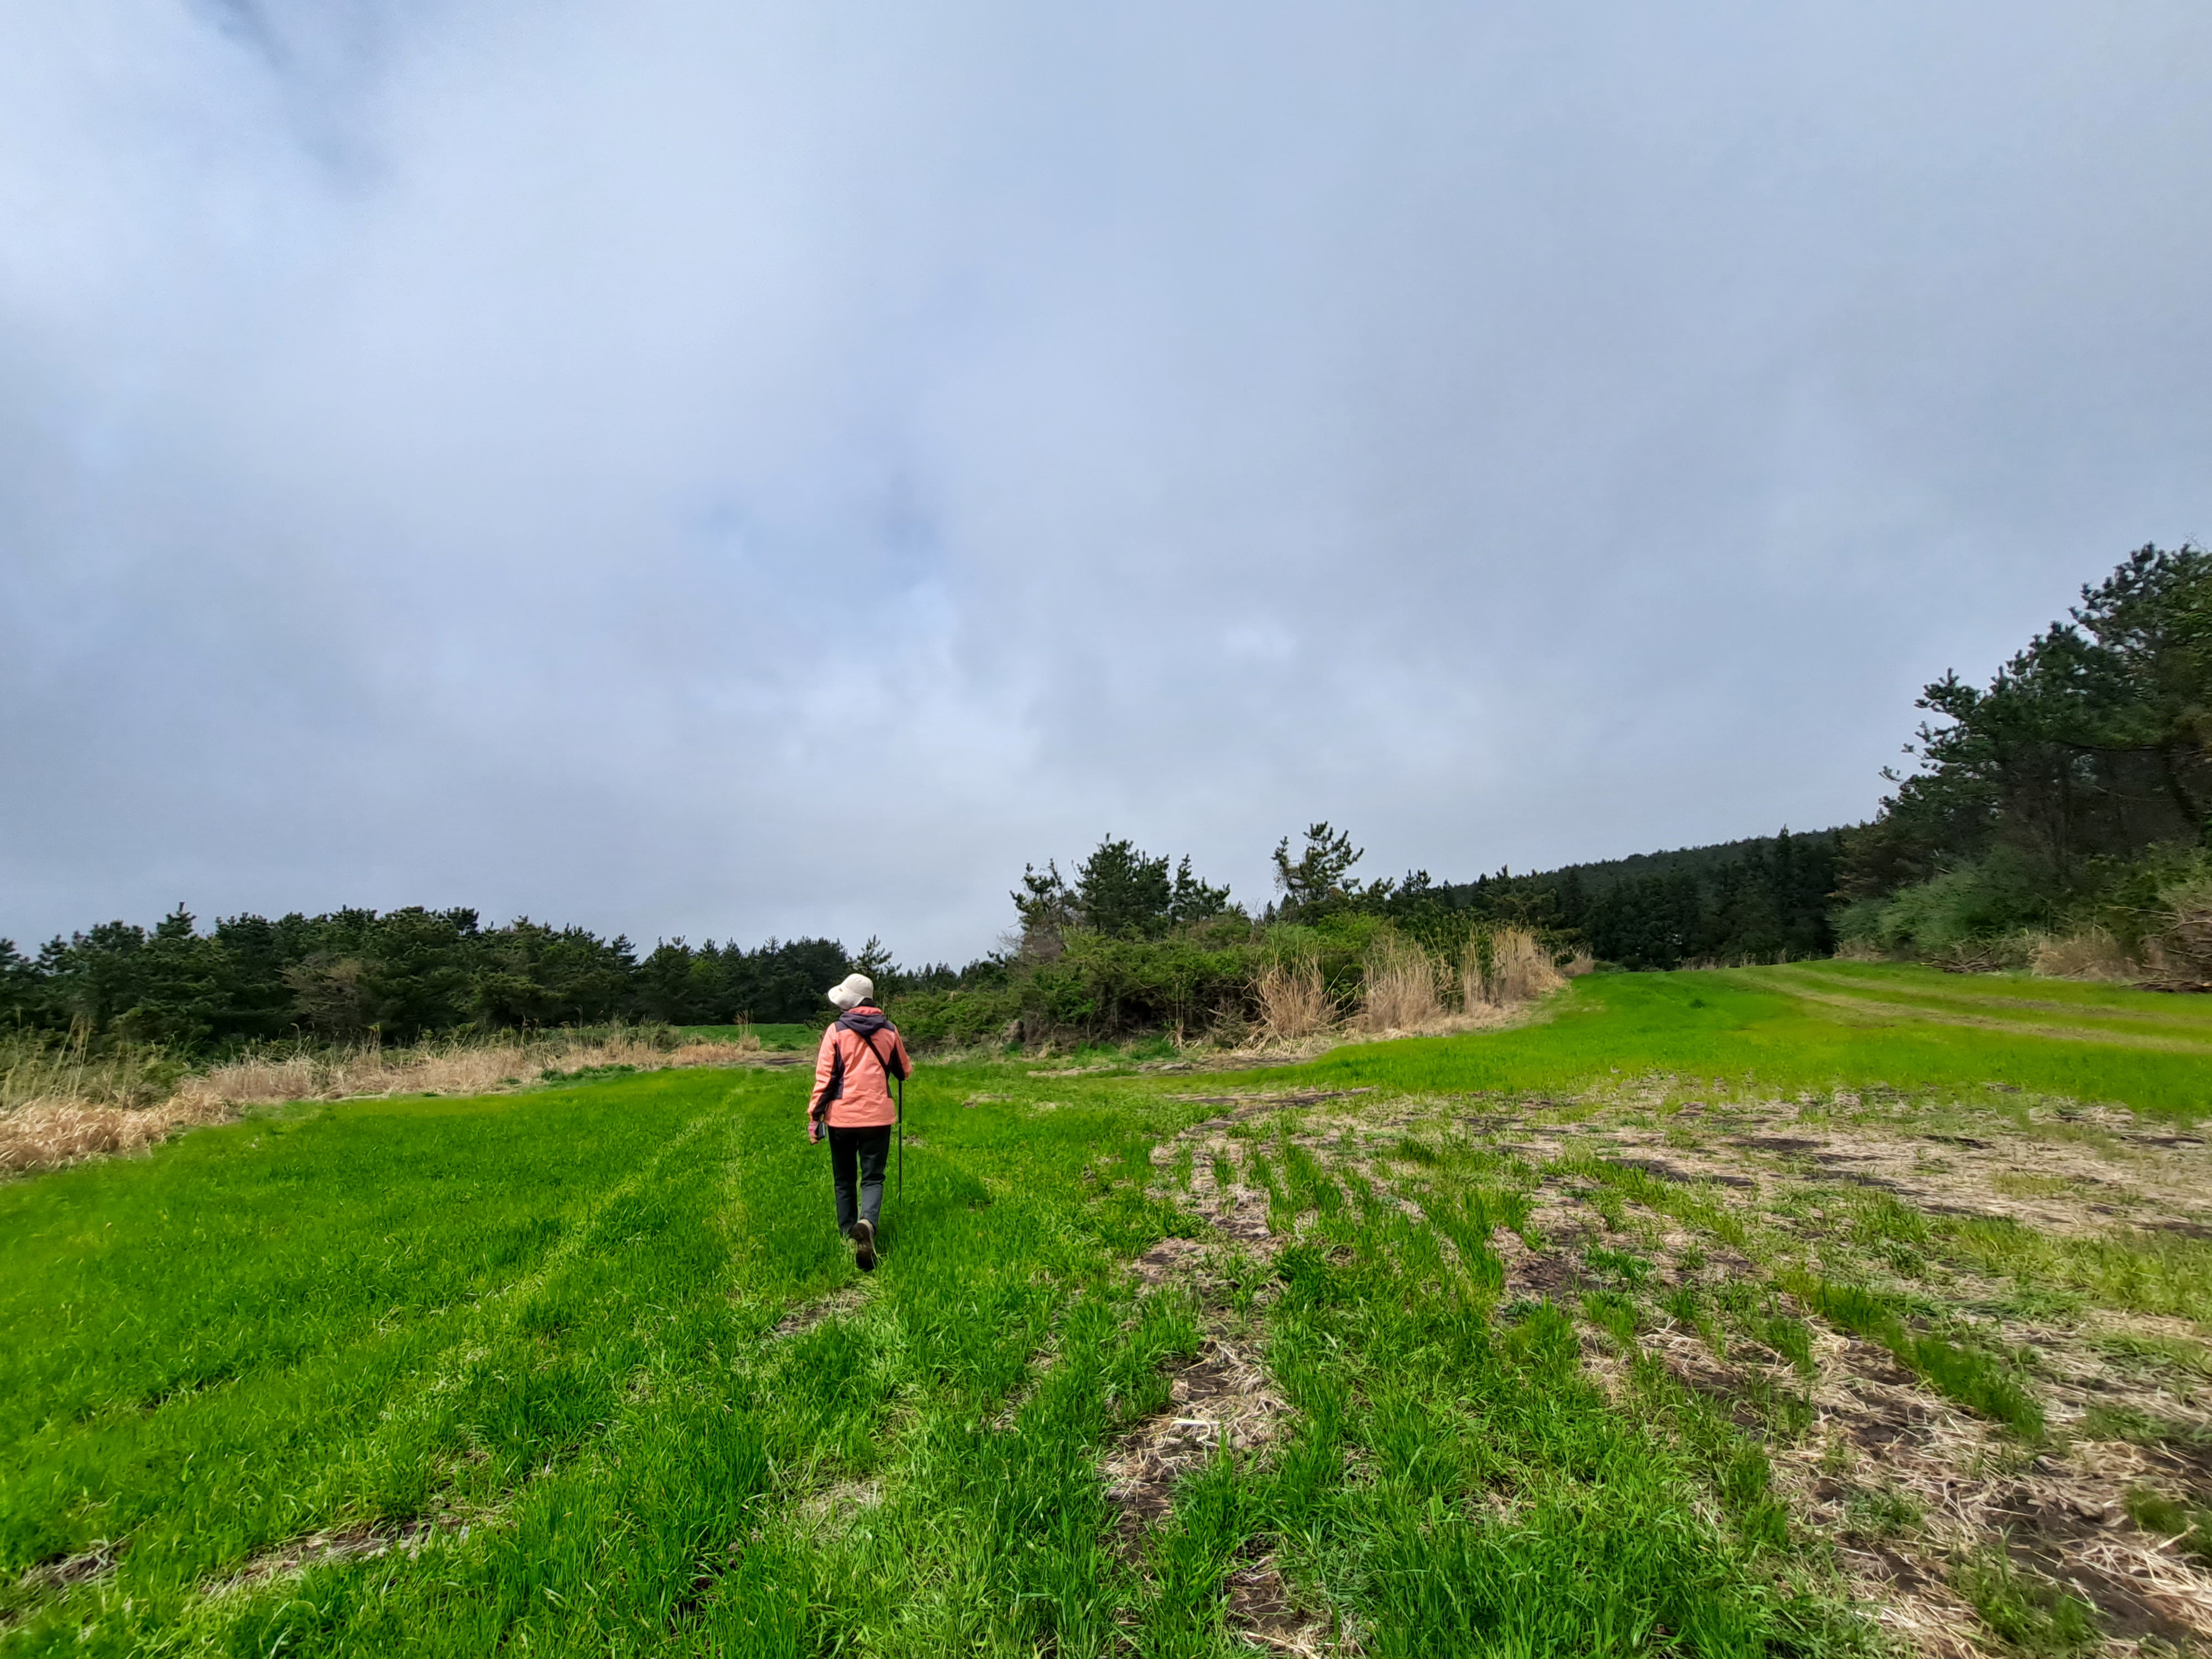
[825, 1060]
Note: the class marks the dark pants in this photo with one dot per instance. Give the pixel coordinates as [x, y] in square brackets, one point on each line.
[861, 1153]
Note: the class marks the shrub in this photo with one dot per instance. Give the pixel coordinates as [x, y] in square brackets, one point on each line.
[2182, 949]
[1967, 907]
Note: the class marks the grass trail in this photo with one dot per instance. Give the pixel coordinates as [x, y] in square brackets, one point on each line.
[1750, 1027]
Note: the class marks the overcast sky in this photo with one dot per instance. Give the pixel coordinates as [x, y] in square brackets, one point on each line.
[744, 470]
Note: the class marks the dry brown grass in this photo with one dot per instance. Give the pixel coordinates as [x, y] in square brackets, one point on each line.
[2179, 953]
[1293, 1001]
[2182, 952]
[34, 1066]
[44, 1134]
[1520, 969]
[1402, 992]
[2092, 953]
[86, 1109]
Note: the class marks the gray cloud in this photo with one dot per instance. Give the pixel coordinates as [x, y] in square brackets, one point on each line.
[732, 470]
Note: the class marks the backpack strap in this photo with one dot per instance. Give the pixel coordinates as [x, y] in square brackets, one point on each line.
[900, 1074]
[898, 1078]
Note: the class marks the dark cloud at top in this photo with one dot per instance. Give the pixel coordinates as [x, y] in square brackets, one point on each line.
[752, 469]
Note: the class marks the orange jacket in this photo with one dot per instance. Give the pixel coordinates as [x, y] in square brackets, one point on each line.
[849, 1079]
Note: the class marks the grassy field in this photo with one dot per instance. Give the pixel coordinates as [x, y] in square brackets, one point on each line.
[1816, 1309]
[779, 1038]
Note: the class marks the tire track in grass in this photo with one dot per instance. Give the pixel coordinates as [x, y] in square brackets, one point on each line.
[661, 1396]
[473, 1352]
[2169, 1015]
[641, 1472]
[1015, 1344]
[1223, 1406]
[496, 1318]
[242, 1442]
[1879, 1009]
[744, 1441]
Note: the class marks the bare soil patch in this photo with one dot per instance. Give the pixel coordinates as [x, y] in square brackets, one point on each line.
[357, 1543]
[1222, 1400]
[835, 1306]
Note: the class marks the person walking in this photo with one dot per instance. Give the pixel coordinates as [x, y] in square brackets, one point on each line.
[859, 1056]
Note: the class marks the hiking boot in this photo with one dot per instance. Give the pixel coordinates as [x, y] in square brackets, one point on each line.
[864, 1246]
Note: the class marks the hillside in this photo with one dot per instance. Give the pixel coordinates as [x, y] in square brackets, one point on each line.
[1702, 863]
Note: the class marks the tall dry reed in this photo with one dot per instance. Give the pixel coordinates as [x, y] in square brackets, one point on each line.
[43, 1065]
[1518, 970]
[60, 1108]
[1293, 1001]
[1402, 993]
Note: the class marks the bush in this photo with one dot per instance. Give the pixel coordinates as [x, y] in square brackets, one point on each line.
[1220, 977]
[1970, 907]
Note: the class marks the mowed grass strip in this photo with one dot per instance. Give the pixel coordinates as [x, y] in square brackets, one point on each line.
[1744, 1026]
[2056, 1001]
[2153, 1021]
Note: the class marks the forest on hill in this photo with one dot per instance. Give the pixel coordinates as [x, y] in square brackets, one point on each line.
[1768, 898]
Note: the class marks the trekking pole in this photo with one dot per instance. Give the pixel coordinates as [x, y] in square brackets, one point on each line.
[900, 1085]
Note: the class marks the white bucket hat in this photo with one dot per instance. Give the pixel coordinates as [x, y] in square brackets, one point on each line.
[857, 989]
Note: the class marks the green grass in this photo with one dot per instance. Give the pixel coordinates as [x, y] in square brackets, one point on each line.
[543, 1329]
[1977, 1379]
[545, 1323]
[2138, 1270]
[548, 1315]
[2189, 1525]
[784, 1037]
[1748, 1027]
[2030, 1615]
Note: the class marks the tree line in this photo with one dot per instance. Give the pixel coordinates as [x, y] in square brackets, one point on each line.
[2073, 790]
[398, 976]
[1125, 940]
[1766, 899]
